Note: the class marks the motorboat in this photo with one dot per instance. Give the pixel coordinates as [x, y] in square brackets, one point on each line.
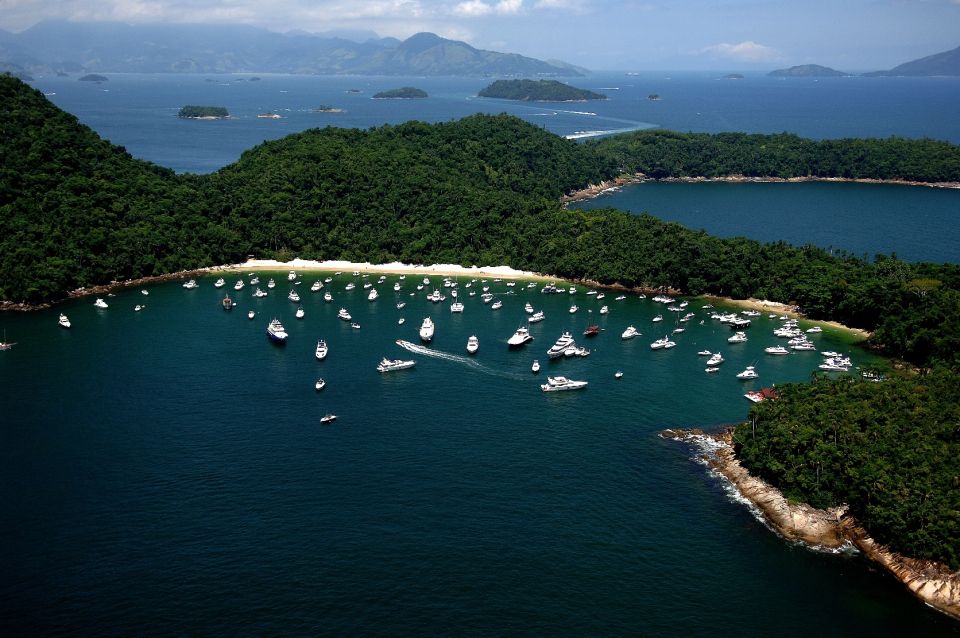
[355, 326]
[704, 353]
[260, 293]
[219, 283]
[804, 346]
[535, 317]
[271, 283]
[327, 419]
[372, 295]
[238, 285]
[600, 295]
[572, 290]
[520, 337]
[658, 318]
[343, 314]
[776, 350]
[456, 306]
[190, 285]
[535, 367]
[473, 344]
[620, 297]
[592, 331]
[391, 365]
[497, 305]
[367, 285]
[678, 330]
[294, 296]
[487, 297]
[299, 313]
[426, 330]
[618, 374]
[528, 308]
[292, 276]
[715, 360]
[227, 303]
[401, 321]
[711, 370]
[814, 330]
[557, 349]
[738, 337]
[317, 285]
[327, 280]
[327, 297]
[276, 331]
[560, 384]
[254, 280]
[350, 286]
[144, 292]
[322, 350]
[629, 333]
[401, 305]
[604, 310]
[574, 308]
[64, 322]
[320, 384]
[100, 303]
[396, 287]
[662, 343]
[748, 373]
[251, 314]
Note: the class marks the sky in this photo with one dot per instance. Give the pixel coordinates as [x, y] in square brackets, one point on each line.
[851, 35]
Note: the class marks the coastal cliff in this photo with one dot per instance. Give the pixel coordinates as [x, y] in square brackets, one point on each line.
[932, 582]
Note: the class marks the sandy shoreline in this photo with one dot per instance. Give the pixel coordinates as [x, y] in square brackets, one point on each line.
[594, 190]
[834, 529]
[394, 268]
[778, 308]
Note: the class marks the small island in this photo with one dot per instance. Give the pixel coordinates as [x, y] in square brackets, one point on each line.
[192, 112]
[654, 97]
[807, 71]
[733, 76]
[403, 93]
[93, 77]
[538, 91]
[326, 108]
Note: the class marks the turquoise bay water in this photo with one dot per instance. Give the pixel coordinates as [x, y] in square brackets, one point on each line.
[915, 223]
[164, 472]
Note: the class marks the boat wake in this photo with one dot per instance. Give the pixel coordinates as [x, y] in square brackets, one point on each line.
[457, 358]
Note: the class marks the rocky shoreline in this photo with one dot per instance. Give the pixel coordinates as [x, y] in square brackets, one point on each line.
[833, 529]
[593, 190]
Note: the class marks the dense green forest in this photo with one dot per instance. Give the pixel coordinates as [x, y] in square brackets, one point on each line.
[889, 450]
[76, 210]
[193, 111]
[662, 154]
[538, 90]
[405, 92]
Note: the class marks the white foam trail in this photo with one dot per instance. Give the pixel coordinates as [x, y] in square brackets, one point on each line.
[457, 358]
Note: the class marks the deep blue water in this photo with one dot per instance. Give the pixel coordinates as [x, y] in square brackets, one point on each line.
[164, 473]
[139, 111]
[915, 223]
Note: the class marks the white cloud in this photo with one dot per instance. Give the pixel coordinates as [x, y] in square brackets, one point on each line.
[747, 51]
[475, 8]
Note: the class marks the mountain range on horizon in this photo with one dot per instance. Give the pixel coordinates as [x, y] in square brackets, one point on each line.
[60, 46]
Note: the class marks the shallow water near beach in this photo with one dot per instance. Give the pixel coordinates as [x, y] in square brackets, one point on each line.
[165, 472]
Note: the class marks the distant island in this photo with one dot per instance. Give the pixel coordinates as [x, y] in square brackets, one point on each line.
[403, 93]
[655, 97]
[93, 77]
[326, 108]
[203, 112]
[808, 71]
[538, 91]
[733, 76]
[945, 63]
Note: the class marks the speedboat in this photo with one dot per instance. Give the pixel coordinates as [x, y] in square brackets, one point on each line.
[535, 368]
[390, 365]
[806, 345]
[327, 297]
[600, 295]
[748, 373]
[401, 305]
[456, 306]
[604, 310]
[372, 295]
[328, 279]
[738, 337]
[144, 292]
[227, 303]
[355, 326]
[260, 293]
[814, 330]
[473, 344]
[299, 313]
[520, 337]
[712, 370]
[658, 318]
[620, 297]
[276, 332]
[251, 314]
[239, 285]
[294, 296]
[528, 308]
[292, 276]
[100, 303]
[618, 374]
[535, 317]
[497, 305]
[328, 418]
[557, 349]
[322, 350]
[400, 321]
[396, 287]
[629, 333]
[219, 283]
[254, 280]
[271, 283]
[426, 329]
[778, 350]
[592, 331]
[704, 353]
[64, 322]
[320, 384]
[559, 384]
[715, 360]
[343, 314]
[367, 285]
[350, 286]
[190, 285]
[574, 308]
[316, 286]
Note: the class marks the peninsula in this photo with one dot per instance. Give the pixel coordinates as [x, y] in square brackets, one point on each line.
[192, 112]
[403, 93]
[538, 91]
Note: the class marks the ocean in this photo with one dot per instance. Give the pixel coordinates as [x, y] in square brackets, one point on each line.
[164, 471]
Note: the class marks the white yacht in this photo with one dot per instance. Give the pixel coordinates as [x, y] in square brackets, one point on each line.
[322, 350]
[535, 367]
[350, 286]
[271, 283]
[574, 308]
[715, 360]
[190, 285]
[557, 349]
[777, 350]
[620, 297]
[535, 317]
[528, 308]
[704, 353]
[426, 329]
[254, 280]
[435, 296]
[618, 374]
[291, 276]
[316, 286]
[294, 296]
[389, 365]
[559, 384]
[372, 295]
[814, 330]
[328, 279]
[327, 297]
[520, 337]
[144, 292]
[299, 313]
[663, 343]
[260, 293]
[238, 285]
[64, 322]
[805, 346]
[396, 287]
[711, 370]
[251, 314]
[276, 331]
[320, 384]
[604, 310]
[497, 305]
[658, 318]
[401, 321]
[456, 306]
[401, 305]
[473, 344]
[220, 283]
[738, 337]
[629, 333]
[100, 303]
[343, 314]
[227, 305]
[748, 373]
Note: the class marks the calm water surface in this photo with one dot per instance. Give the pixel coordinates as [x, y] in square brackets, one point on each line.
[164, 472]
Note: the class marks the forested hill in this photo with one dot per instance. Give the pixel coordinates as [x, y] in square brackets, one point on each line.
[77, 211]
